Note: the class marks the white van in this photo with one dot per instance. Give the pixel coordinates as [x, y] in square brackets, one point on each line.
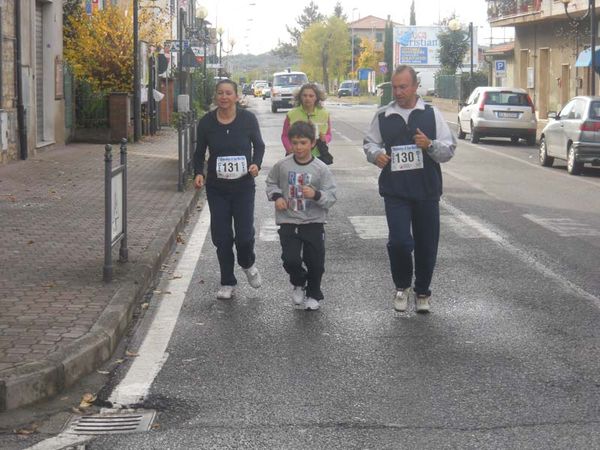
[284, 87]
[426, 83]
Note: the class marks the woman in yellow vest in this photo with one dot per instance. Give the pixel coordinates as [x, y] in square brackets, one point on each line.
[309, 109]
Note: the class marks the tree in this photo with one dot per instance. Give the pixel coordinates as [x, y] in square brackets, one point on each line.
[413, 17]
[339, 12]
[310, 15]
[71, 9]
[388, 49]
[99, 47]
[369, 57]
[325, 50]
[453, 47]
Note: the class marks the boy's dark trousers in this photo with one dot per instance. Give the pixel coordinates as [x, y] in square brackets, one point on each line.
[304, 243]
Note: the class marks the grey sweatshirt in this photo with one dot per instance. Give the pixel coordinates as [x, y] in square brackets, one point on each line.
[286, 179]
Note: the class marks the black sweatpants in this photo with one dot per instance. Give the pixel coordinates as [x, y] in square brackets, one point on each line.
[304, 244]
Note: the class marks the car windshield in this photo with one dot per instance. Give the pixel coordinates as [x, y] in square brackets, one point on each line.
[346, 85]
[595, 111]
[506, 98]
[290, 80]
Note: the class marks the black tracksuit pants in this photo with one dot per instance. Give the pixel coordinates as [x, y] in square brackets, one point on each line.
[304, 244]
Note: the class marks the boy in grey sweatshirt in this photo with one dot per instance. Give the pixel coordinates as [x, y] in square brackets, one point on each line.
[303, 190]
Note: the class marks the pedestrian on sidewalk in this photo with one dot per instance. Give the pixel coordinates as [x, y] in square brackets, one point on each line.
[236, 150]
[303, 190]
[408, 140]
[309, 108]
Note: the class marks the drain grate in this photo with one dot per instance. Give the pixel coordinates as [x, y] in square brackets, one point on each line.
[123, 421]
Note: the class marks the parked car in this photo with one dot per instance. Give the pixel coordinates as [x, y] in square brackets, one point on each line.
[258, 88]
[573, 135]
[247, 89]
[266, 92]
[349, 88]
[498, 112]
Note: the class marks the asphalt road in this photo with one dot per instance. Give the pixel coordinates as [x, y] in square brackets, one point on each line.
[508, 358]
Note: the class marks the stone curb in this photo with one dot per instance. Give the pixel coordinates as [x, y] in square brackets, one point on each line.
[42, 379]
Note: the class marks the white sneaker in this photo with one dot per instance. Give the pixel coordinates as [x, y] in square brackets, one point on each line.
[253, 276]
[298, 296]
[422, 303]
[401, 299]
[225, 293]
[310, 304]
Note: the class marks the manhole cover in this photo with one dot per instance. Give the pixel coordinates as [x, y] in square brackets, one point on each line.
[122, 421]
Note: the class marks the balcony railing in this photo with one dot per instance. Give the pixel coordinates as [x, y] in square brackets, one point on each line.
[500, 9]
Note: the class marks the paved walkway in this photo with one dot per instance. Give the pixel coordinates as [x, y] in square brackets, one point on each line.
[58, 319]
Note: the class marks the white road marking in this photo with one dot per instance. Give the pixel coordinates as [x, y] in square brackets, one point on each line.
[564, 227]
[268, 230]
[457, 226]
[60, 442]
[522, 255]
[152, 353]
[370, 227]
[347, 139]
[547, 170]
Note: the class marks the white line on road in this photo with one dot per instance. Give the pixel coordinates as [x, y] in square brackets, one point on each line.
[60, 442]
[152, 353]
[347, 139]
[565, 226]
[523, 255]
[547, 170]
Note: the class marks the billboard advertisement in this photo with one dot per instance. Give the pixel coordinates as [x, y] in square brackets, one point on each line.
[420, 46]
[416, 46]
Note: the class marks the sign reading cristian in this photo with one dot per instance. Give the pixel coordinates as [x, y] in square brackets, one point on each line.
[417, 46]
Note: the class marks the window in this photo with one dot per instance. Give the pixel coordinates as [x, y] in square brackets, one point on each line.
[565, 111]
[379, 36]
[595, 110]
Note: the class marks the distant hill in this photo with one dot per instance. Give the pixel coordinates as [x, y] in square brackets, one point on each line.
[262, 65]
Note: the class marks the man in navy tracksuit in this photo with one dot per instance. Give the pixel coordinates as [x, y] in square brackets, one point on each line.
[408, 140]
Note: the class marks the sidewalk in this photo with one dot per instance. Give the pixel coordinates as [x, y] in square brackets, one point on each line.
[58, 319]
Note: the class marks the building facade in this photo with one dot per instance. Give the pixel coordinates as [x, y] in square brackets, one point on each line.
[32, 107]
[547, 44]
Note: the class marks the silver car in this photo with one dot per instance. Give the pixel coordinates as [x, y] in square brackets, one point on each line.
[573, 135]
[498, 112]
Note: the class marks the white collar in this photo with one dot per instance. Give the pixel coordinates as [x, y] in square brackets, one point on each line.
[394, 108]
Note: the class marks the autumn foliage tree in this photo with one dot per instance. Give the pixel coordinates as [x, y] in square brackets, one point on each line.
[369, 57]
[99, 47]
[325, 50]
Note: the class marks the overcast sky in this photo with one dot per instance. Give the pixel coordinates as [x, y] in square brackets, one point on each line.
[256, 25]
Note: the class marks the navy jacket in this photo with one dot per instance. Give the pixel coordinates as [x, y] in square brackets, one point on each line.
[419, 184]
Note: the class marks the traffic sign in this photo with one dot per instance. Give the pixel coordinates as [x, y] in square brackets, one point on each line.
[500, 65]
[173, 45]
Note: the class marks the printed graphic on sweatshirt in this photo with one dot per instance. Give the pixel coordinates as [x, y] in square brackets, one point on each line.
[295, 197]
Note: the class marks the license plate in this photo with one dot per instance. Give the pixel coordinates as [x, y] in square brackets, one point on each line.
[508, 115]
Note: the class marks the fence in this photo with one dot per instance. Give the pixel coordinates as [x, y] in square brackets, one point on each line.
[91, 108]
[459, 86]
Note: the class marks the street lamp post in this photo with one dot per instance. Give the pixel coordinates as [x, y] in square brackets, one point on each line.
[137, 102]
[352, 39]
[220, 32]
[591, 13]
[455, 25]
[201, 14]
